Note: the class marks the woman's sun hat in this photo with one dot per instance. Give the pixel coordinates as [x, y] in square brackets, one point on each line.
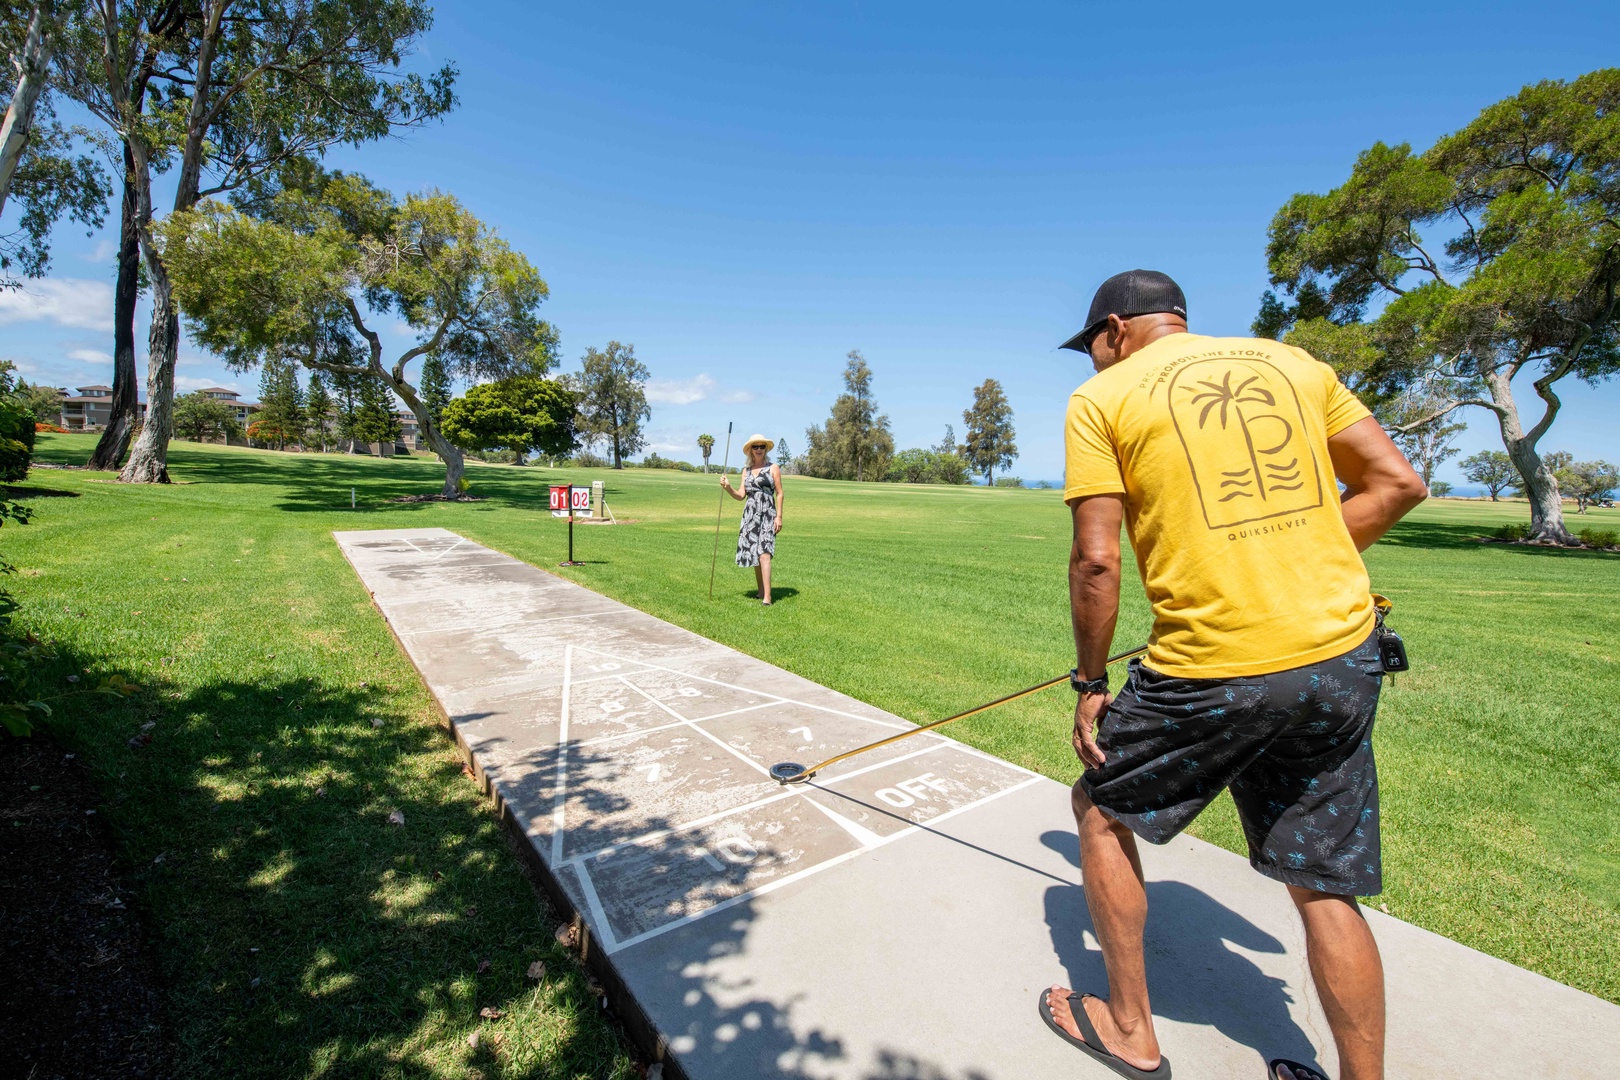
[756, 439]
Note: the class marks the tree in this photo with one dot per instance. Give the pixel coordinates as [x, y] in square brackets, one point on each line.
[949, 464]
[1440, 488]
[45, 402]
[247, 89]
[435, 387]
[1419, 428]
[318, 406]
[37, 164]
[706, 447]
[612, 388]
[1588, 481]
[990, 433]
[784, 456]
[855, 444]
[374, 419]
[1528, 283]
[199, 418]
[521, 414]
[292, 282]
[1491, 469]
[281, 417]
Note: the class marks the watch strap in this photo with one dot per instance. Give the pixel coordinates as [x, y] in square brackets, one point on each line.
[1098, 685]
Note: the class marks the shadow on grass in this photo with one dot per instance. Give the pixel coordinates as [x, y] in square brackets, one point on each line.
[299, 930]
[1442, 536]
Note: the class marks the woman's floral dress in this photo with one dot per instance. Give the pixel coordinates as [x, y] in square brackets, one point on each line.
[758, 533]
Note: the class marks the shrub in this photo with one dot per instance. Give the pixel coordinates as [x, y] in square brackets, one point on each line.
[40, 425]
[1440, 488]
[587, 460]
[1599, 538]
[1009, 481]
[16, 440]
[1516, 531]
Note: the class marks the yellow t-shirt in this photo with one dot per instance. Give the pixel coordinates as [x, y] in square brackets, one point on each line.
[1219, 447]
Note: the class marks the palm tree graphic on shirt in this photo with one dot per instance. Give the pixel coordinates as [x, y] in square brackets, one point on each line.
[1241, 425]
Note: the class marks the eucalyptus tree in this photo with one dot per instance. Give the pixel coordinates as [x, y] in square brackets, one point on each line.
[247, 86]
[1525, 278]
[41, 168]
[307, 279]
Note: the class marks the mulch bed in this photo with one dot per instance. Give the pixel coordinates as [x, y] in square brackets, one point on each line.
[79, 993]
[437, 498]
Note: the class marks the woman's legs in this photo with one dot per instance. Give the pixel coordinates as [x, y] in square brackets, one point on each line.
[764, 572]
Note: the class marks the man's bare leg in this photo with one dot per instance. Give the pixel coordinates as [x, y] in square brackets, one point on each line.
[1112, 874]
[1349, 978]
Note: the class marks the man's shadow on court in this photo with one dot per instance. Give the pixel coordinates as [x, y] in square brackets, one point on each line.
[1193, 976]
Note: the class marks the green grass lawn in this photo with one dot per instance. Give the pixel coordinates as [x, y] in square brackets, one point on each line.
[267, 788]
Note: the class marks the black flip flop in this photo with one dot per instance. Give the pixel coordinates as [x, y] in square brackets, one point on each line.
[1301, 1072]
[1092, 1045]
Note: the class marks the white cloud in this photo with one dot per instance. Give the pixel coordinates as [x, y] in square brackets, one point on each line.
[76, 302]
[738, 397]
[91, 356]
[679, 391]
[102, 253]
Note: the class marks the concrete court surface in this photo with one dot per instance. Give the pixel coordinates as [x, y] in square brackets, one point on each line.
[898, 919]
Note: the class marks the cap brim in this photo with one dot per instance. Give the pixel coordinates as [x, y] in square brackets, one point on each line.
[1079, 342]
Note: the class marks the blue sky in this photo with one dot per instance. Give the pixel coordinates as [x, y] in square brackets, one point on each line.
[747, 192]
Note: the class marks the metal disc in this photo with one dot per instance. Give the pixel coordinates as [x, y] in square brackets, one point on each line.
[787, 772]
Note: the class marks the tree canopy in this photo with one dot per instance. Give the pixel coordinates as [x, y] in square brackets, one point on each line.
[612, 388]
[521, 414]
[306, 279]
[855, 443]
[1494, 253]
[243, 88]
[989, 445]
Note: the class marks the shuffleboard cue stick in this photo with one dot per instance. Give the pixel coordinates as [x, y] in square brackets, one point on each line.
[719, 510]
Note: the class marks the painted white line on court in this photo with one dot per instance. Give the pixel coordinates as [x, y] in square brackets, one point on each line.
[604, 929]
[559, 804]
[630, 734]
[727, 747]
[772, 886]
[863, 836]
[459, 541]
[750, 690]
[685, 826]
[730, 902]
[524, 623]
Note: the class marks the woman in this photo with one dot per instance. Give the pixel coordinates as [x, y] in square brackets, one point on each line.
[761, 496]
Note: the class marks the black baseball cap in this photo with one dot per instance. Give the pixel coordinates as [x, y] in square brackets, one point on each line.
[1135, 292]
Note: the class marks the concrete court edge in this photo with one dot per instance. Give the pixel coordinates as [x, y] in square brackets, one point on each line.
[643, 1034]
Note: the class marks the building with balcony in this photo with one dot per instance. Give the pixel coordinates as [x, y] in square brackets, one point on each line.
[88, 410]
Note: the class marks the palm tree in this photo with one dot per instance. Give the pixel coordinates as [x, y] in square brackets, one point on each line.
[706, 444]
[1230, 398]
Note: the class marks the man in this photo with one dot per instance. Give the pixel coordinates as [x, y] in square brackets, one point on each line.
[1219, 455]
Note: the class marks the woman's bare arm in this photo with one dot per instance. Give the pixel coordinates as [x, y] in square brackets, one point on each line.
[776, 476]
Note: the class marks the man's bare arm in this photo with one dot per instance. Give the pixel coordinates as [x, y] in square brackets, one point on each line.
[1380, 485]
[1094, 605]
[1094, 580]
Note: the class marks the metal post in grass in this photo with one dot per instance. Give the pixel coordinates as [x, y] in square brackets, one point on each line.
[715, 558]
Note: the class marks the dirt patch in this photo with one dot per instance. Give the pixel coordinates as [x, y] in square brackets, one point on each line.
[437, 498]
[80, 996]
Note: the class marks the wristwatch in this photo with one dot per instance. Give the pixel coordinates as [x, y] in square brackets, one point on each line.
[1099, 685]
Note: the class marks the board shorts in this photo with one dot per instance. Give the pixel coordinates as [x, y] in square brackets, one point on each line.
[1294, 747]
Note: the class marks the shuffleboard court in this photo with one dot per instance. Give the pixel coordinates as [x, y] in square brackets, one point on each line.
[896, 918]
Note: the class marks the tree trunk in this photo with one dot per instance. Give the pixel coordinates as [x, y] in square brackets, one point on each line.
[114, 442]
[1546, 506]
[148, 460]
[454, 463]
[36, 55]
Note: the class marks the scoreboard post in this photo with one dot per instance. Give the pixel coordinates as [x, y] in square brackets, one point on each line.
[570, 500]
